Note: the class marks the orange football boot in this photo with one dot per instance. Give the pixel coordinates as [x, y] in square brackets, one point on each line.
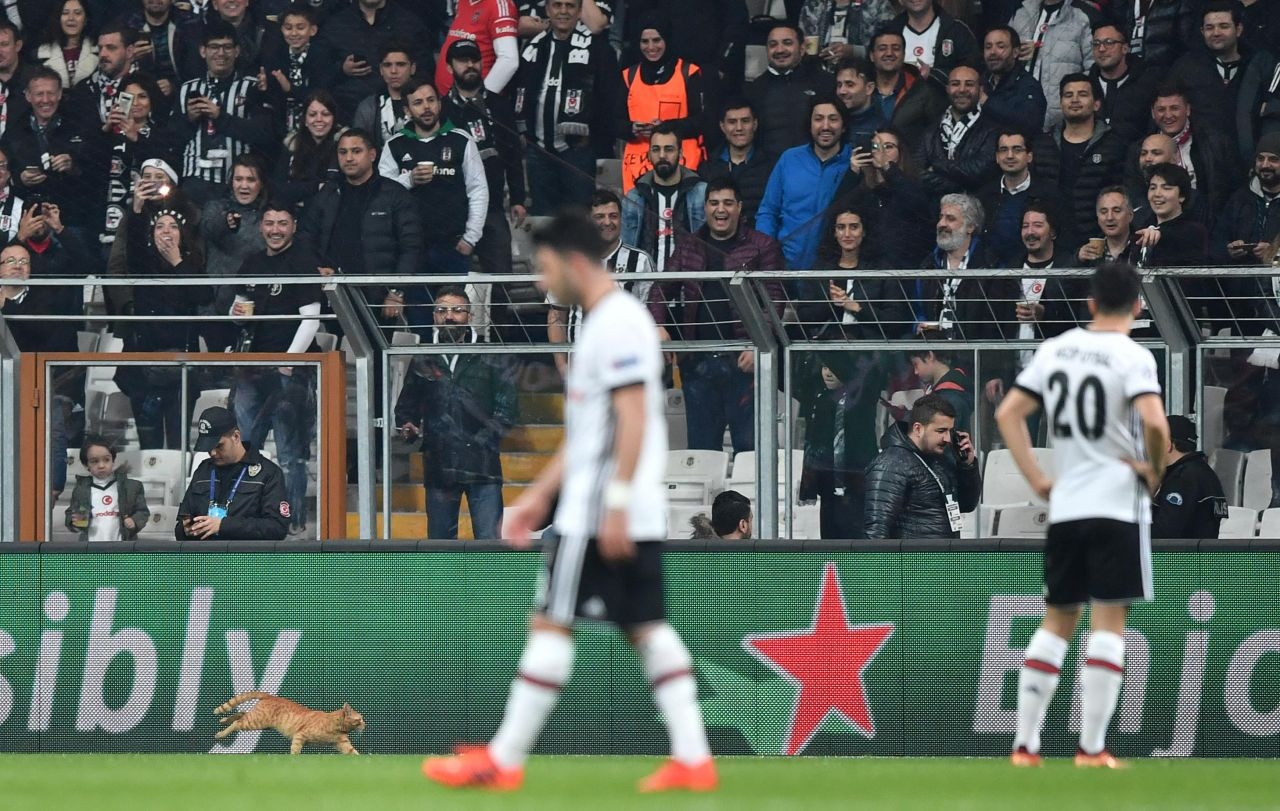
[1022, 758]
[676, 776]
[472, 767]
[1102, 760]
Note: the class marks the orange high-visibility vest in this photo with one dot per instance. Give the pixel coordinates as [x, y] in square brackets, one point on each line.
[665, 102]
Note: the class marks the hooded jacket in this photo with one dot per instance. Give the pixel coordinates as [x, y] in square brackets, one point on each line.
[903, 497]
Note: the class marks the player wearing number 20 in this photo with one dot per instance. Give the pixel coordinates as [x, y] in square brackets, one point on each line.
[1100, 392]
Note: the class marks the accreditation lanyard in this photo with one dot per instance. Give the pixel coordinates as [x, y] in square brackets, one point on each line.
[214, 510]
[953, 509]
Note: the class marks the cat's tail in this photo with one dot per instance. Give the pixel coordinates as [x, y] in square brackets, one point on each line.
[240, 699]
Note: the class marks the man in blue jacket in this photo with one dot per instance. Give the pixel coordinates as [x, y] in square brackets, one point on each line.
[804, 182]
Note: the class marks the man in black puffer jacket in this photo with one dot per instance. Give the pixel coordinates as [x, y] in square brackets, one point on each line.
[917, 486]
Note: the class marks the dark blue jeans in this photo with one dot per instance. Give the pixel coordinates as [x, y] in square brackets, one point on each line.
[560, 179]
[276, 402]
[717, 394]
[484, 501]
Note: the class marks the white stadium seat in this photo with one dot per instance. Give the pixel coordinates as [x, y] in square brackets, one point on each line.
[696, 477]
[1023, 522]
[1257, 481]
[1240, 523]
[980, 523]
[678, 516]
[1004, 485]
[160, 524]
[1270, 526]
[1229, 465]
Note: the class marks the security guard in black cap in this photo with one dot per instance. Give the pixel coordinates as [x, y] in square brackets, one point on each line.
[236, 494]
[1190, 503]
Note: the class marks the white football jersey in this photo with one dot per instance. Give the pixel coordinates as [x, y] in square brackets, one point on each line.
[1087, 382]
[617, 345]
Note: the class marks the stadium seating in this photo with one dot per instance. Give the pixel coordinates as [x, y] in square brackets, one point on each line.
[1229, 465]
[1003, 484]
[678, 516]
[1241, 522]
[1257, 481]
[1269, 527]
[1023, 522]
[696, 477]
[160, 524]
[1211, 426]
[978, 523]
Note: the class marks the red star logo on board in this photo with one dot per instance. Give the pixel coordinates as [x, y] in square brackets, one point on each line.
[825, 662]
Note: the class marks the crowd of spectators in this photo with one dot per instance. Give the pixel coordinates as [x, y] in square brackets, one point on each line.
[209, 138]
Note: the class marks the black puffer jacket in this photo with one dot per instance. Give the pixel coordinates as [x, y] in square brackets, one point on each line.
[903, 499]
[1103, 166]
[781, 102]
[391, 231]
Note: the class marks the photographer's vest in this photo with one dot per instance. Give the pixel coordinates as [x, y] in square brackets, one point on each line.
[666, 102]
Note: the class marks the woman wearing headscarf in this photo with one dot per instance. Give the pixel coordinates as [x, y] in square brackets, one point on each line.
[660, 88]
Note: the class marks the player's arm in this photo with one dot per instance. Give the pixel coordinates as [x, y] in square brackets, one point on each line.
[558, 333]
[1155, 429]
[1011, 418]
[533, 507]
[628, 411]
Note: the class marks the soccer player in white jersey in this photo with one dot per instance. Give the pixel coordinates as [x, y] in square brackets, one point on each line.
[606, 563]
[1101, 396]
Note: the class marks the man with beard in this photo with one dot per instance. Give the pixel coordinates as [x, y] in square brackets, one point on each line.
[1046, 307]
[1127, 86]
[94, 98]
[461, 405]
[960, 307]
[1009, 95]
[908, 102]
[1251, 218]
[804, 182]
[279, 400]
[719, 387]
[441, 168]
[925, 476]
[490, 25]
[957, 156]
[666, 201]
[489, 119]
[1079, 156]
[384, 113]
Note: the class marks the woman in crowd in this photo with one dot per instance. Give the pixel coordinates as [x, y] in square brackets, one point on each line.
[882, 182]
[66, 47]
[310, 154]
[864, 307]
[129, 139]
[231, 229]
[662, 87]
[167, 246]
[154, 189]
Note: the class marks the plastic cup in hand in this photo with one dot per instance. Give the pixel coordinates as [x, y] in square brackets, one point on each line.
[245, 305]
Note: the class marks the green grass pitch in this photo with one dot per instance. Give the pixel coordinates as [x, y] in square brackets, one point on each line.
[375, 782]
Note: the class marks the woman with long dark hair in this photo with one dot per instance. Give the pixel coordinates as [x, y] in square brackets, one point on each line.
[67, 47]
[865, 307]
[310, 154]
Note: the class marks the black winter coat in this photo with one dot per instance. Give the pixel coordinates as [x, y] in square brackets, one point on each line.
[1247, 216]
[1127, 108]
[955, 45]
[391, 232]
[260, 509]
[781, 102]
[984, 307]
[1017, 102]
[973, 166]
[903, 499]
[347, 34]
[1190, 503]
[1103, 165]
[752, 175]
[903, 216]
[1172, 27]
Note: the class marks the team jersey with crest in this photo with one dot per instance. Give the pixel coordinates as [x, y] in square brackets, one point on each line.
[482, 22]
[1087, 381]
[617, 347]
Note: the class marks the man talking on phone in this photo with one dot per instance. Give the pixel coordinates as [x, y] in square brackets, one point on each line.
[236, 494]
[924, 477]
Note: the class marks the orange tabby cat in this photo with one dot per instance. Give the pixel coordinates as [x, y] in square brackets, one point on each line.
[292, 720]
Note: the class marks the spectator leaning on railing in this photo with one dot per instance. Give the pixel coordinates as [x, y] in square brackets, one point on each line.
[923, 478]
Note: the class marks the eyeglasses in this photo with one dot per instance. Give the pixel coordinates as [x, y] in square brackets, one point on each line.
[4, 165]
[13, 260]
[1107, 43]
[457, 309]
[879, 147]
[221, 47]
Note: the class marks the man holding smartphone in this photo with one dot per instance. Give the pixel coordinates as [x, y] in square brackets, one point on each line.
[925, 477]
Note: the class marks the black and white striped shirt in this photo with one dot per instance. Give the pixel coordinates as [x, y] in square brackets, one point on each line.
[209, 152]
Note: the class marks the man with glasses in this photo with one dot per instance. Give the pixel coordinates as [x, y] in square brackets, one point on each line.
[1005, 198]
[1127, 86]
[461, 405]
[219, 117]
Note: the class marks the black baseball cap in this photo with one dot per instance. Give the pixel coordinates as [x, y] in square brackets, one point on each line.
[213, 425]
[1182, 429]
[464, 49]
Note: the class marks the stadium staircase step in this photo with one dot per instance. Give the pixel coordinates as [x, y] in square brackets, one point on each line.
[525, 450]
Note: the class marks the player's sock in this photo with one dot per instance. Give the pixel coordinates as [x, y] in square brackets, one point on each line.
[544, 669]
[669, 668]
[1036, 685]
[1100, 688]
